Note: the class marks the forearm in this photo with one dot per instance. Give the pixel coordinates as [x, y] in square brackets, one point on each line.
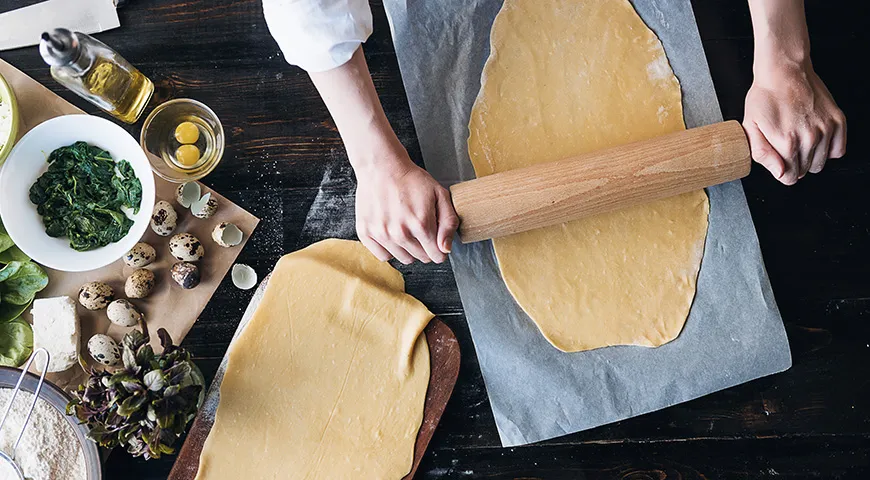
[352, 101]
[781, 37]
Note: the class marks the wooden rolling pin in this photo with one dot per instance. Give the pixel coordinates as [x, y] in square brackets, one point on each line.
[597, 182]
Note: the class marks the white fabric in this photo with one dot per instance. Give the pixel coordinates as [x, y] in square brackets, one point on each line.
[318, 35]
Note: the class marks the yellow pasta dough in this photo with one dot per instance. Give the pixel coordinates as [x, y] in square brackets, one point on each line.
[565, 77]
[329, 378]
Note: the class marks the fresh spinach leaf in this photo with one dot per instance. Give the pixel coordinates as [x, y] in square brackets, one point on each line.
[16, 342]
[22, 286]
[81, 196]
[10, 269]
[5, 239]
[13, 254]
[9, 312]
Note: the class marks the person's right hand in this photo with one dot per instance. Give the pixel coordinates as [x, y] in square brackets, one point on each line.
[401, 211]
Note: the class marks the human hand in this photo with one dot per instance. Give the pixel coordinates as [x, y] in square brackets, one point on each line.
[792, 122]
[401, 211]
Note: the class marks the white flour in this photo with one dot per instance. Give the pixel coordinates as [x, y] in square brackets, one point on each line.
[49, 449]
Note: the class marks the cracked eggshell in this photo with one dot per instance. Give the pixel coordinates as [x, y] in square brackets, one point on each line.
[122, 312]
[96, 295]
[140, 283]
[205, 207]
[186, 248]
[164, 219]
[188, 193]
[244, 277]
[227, 235]
[140, 255]
[186, 275]
[104, 349]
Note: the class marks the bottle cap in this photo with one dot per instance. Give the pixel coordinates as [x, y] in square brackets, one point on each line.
[59, 47]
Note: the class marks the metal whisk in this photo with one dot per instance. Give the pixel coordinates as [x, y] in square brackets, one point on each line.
[5, 457]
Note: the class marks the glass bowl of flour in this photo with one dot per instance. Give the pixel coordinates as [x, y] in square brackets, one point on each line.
[54, 445]
[8, 119]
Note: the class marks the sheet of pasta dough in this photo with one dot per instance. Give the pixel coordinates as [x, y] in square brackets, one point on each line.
[329, 378]
[566, 77]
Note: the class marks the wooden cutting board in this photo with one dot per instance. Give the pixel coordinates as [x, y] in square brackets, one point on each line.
[444, 360]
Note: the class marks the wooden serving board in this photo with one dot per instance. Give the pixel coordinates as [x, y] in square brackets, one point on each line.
[444, 360]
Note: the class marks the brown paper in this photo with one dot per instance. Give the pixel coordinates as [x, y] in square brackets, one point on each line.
[168, 306]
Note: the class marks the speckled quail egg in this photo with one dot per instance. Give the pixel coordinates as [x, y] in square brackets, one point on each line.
[227, 235]
[96, 295]
[185, 274]
[140, 255]
[187, 193]
[104, 350]
[205, 207]
[122, 312]
[139, 284]
[186, 247]
[164, 219]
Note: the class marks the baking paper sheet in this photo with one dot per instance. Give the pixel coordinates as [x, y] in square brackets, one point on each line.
[734, 332]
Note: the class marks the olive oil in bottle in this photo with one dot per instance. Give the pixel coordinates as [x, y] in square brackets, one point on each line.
[96, 73]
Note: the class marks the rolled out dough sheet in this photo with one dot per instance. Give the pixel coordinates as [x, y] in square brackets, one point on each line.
[329, 378]
[565, 77]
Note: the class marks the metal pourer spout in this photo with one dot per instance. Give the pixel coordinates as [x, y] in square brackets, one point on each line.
[59, 47]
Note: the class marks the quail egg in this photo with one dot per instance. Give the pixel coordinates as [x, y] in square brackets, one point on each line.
[140, 255]
[227, 235]
[96, 295]
[205, 207]
[187, 193]
[186, 247]
[139, 284]
[122, 312]
[185, 274]
[164, 219]
[104, 350]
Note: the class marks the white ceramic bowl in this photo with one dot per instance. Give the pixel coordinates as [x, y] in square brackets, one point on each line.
[27, 161]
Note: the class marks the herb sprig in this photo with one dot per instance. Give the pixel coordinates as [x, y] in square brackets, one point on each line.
[145, 406]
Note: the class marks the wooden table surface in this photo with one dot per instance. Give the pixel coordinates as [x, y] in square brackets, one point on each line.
[285, 163]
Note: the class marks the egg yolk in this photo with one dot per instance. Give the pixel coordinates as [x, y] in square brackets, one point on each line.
[187, 155]
[187, 133]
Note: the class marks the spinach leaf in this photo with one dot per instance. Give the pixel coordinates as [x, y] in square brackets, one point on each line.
[81, 196]
[9, 270]
[13, 254]
[16, 342]
[5, 239]
[20, 287]
[9, 312]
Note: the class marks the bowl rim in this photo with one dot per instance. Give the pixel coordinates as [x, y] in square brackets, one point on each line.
[138, 229]
[7, 93]
[58, 399]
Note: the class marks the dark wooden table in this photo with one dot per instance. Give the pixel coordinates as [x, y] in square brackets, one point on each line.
[285, 163]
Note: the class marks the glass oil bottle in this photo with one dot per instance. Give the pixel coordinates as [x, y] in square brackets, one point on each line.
[96, 73]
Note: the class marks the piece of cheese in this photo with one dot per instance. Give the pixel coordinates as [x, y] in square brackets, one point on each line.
[56, 329]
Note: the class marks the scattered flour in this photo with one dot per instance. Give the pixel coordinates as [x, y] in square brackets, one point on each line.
[49, 449]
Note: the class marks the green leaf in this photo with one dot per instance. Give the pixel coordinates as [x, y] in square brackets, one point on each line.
[9, 311]
[23, 285]
[5, 239]
[16, 342]
[13, 254]
[9, 270]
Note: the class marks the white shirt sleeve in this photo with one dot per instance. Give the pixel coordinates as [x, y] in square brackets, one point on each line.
[318, 35]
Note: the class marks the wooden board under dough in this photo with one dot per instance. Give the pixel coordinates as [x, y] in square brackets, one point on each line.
[444, 360]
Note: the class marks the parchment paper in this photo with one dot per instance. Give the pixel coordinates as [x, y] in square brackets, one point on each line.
[168, 306]
[734, 332]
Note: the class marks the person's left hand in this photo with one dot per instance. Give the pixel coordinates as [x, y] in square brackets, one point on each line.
[792, 122]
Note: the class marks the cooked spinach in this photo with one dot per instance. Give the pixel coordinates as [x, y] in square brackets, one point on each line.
[81, 195]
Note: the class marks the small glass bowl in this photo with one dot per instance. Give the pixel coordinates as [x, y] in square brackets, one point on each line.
[158, 139]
